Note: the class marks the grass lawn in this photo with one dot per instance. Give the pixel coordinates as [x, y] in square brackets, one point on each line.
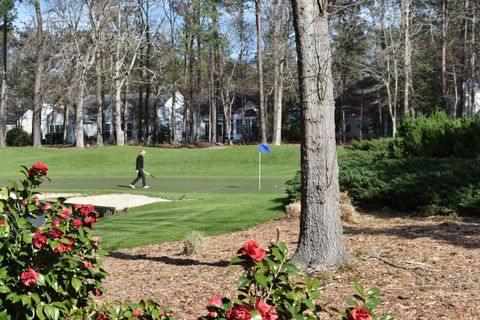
[220, 187]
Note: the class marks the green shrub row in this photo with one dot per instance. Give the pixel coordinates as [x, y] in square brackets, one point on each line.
[439, 136]
[17, 137]
[431, 186]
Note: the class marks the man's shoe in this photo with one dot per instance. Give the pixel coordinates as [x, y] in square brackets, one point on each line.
[146, 187]
[132, 186]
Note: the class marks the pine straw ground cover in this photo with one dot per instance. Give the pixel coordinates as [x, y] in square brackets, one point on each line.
[426, 268]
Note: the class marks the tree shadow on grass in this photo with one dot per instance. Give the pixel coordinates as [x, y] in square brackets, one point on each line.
[465, 234]
[167, 260]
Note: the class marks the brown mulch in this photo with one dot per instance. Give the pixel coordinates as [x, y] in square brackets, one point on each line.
[427, 268]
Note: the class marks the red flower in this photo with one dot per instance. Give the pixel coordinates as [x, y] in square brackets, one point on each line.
[86, 264]
[84, 209]
[215, 302]
[98, 293]
[359, 314]
[38, 169]
[65, 214]
[2, 222]
[56, 223]
[77, 223]
[91, 219]
[239, 313]
[137, 313]
[24, 202]
[101, 316]
[46, 207]
[29, 277]
[267, 311]
[252, 249]
[56, 233]
[96, 240]
[65, 247]
[212, 314]
[39, 239]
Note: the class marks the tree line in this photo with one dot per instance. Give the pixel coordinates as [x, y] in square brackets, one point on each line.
[390, 58]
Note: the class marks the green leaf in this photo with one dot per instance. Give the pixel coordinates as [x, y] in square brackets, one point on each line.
[360, 289]
[388, 317]
[26, 300]
[76, 284]
[237, 260]
[5, 289]
[242, 282]
[372, 303]
[374, 292]
[262, 281]
[51, 312]
[39, 312]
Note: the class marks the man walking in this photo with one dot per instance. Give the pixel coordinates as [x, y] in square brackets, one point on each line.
[140, 173]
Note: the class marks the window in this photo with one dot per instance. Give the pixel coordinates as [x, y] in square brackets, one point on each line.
[129, 130]
[238, 127]
[52, 128]
[107, 127]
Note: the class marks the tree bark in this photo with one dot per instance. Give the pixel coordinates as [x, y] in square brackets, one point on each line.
[406, 7]
[321, 238]
[444, 52]
[3, 92]
[261, 100]
[99, 94]
[38, 97]
[79, 114]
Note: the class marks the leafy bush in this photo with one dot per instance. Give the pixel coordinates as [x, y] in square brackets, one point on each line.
[267, 291]
[439, 136]
[17, 137]
[49, 262]
[193, 242]
[293, 188]
[429, 186]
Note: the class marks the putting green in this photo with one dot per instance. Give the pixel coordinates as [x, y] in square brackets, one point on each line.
[219, 187]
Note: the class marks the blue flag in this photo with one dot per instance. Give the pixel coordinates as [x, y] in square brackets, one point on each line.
[264, 148]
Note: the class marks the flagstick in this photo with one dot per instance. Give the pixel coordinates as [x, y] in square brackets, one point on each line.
[259, 170]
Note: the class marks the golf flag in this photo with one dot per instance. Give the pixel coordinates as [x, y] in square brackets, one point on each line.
[261, 148]
[264, 148]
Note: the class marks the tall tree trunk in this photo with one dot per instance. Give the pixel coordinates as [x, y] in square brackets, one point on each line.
[276, 69]
[38, 98]
[321, 238]
[79, 113]
[99, 94]
[66, 119]
[444, 52]
[473, 73]
[463, 69]
[173, 118]
[120, 136]
[215, 72]
[261, 100]
[3, 92]
[406, 7]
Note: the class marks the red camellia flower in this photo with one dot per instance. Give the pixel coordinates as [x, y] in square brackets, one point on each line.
[38, 169]
[137, 313]
[65, 214]
[91, 219]
[29, 277]
[2, 222]
[85, 209]
[39, 239]
[86, 264]
[239, 313]
[24, 202]
[98, 293]
[56, 223]
[215, 302]
[101, 316]
[252, 249]
[77, 223]
[56, 233]
[267, 311]
[359, 314]
[65, 247]
[96, 240]
[46, 207]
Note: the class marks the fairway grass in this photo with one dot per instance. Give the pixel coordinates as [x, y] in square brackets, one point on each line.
[219, 187]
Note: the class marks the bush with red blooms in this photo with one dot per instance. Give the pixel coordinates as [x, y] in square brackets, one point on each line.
[49, 265]
[267, 291]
